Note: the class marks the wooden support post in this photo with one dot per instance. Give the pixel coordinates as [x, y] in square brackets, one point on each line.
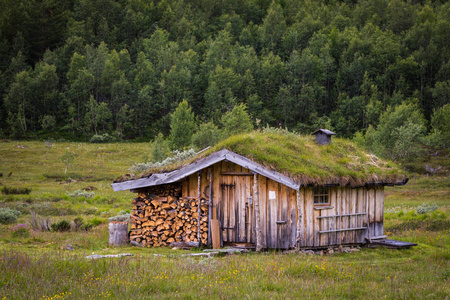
[199, 236]
[257, 213]
[210, 173]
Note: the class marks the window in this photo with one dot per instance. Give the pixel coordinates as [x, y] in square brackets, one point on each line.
[321, 195]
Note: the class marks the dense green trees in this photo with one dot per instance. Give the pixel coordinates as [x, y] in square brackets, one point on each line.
[76, 68]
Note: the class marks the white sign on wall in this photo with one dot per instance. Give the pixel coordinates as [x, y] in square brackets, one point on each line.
[272, 195]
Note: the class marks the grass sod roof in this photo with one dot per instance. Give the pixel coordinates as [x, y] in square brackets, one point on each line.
[301, 159]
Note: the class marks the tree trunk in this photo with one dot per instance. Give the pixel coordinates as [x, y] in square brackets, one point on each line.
[118, 233]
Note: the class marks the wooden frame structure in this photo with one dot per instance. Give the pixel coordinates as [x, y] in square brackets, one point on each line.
[262, 207]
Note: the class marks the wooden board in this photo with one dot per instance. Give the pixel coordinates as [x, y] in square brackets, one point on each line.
[185, 188]
[301, 217]
[316, 221]
[293, 217]
[379, 196]
[338, 212]
[309, 217]
[371, 211]
[332, 221]
[250, 211]
[215, 233]
[360, 208]
[241, 208]
[263, 209]
[216, 184]
[324, 226]
[344, 211]
[353, 220]
[272, 196]
[285, 215]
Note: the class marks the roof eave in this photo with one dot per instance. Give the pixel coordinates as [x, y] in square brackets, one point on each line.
[224, 154]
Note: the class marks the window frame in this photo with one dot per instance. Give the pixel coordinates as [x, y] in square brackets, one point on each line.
[322, 192]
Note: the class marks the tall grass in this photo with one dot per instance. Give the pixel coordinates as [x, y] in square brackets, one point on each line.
[370, 274]
[39, 267]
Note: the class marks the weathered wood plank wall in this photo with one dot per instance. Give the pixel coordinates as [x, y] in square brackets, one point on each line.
[348, 209]
[285, 221]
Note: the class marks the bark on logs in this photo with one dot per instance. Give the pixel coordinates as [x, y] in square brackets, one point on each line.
[161, 220]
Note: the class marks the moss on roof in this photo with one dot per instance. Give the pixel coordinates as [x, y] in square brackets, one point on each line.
[304, 161]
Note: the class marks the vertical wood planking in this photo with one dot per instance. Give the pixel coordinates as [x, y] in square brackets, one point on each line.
[241, 186]
[272, 186]
[250, 209]
[204, 183]
[309, 216]
[338, 212]
[371, 210]
[333, 212]
[316, 227]
[219, 204]
[216, 185]
[185, 188]
[263, 209]
[225, 198]
[342, 211]
[238, 207]
[193, 182]
[346, 196]
[323, 224]
[232, 204]
[360, 208]
[353, 223]
[285, 228]
[301, 217]
[380, 210]
[279, 227]
[293, 217]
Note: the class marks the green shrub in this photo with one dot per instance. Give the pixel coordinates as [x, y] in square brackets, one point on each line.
[8, 215]
[86, 227]
[102, 138]
[61, 226]
[120, 217]
[426, 207]
[81, 194]
[20, 230]
[78, 223]
[97, 221]
[15, 191]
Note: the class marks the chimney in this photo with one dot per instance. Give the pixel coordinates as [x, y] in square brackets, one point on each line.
[323, 136]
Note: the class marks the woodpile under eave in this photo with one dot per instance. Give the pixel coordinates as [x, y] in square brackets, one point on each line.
[160, 220]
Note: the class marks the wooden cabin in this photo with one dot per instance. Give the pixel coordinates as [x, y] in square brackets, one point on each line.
[258, 205]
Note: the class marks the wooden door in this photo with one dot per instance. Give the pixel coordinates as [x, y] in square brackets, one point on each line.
[236, 210]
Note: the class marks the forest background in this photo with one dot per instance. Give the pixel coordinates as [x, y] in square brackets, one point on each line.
[193, 72]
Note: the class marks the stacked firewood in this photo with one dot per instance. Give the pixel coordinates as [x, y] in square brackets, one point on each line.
[161, 220]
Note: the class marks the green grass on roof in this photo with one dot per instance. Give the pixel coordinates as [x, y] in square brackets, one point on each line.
[301, 159]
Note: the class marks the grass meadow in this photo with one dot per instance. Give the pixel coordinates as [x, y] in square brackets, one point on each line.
[39, 267]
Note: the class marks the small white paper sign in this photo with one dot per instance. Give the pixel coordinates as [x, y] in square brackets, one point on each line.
[272, 195]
